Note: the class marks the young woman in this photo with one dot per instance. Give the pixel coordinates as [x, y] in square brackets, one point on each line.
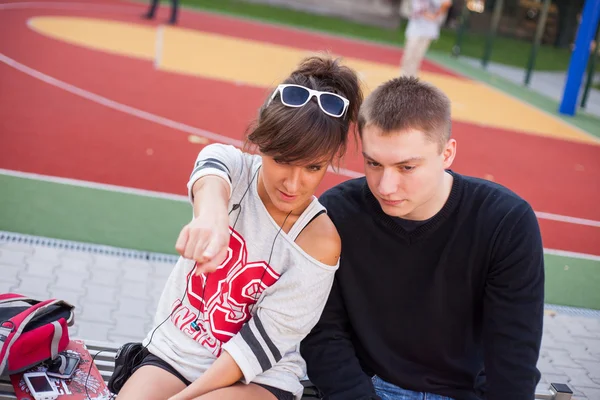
[259, 257]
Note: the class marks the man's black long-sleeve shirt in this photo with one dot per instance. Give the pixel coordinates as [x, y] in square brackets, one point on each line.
[452, 307]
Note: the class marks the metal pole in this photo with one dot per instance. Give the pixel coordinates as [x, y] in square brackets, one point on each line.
[591, 69]
[537, 40]
[580, 56]
[464, 18]
[487, 52]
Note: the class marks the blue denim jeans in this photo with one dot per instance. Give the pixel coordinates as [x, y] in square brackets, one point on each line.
[388, 391]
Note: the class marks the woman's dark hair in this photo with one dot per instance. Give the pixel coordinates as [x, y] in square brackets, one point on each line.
[306, 133]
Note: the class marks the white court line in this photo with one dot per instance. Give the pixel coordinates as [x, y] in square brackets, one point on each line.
[570, 220]
[116, 105]
[181, 198]
[168, 196]
[137, 112]
[564, 253]
[93, 185]
[158, 50]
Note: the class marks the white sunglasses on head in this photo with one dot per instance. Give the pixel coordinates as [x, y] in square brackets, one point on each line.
[296, 96]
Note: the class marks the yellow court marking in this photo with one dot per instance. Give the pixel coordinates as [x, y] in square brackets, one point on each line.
[263, 64]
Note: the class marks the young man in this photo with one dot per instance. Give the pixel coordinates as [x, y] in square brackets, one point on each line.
[426, 17]
[440, 291]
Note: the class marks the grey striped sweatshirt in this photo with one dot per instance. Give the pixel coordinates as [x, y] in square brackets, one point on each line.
[255, 310]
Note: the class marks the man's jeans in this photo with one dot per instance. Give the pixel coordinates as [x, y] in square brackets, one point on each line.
[388, 391]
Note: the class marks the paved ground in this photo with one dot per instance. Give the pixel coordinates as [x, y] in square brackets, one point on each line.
[550, 84]
[115, 296]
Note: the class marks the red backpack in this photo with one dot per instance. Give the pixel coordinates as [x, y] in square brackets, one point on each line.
[31, 331]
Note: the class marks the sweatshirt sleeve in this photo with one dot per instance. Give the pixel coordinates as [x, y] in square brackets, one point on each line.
[216, 159]
[513, 308]
[286, 314]
[330, 357]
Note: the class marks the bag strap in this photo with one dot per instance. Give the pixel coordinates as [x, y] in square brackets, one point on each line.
[14, 297]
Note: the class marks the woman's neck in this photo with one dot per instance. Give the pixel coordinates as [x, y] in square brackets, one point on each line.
[279, 216]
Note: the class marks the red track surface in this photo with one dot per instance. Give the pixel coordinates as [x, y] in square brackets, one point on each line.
[49, 131]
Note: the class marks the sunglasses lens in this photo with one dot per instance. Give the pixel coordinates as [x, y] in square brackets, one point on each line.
[332, 104]
[294, 96]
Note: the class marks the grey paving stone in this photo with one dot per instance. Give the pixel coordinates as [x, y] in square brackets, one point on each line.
[43, 269]
[46, 254]
[135, 264]
[100, 293]
[562, 335]
[579, 351]
[13, 257]
[590, 393]
[162, 269]
[593, 369]
[69, 282]
[134, 290]
[16, 246]
[549, 343]
[130, 307]
[105, 277]
[546, 366]
[106, 262]
[156, 285]
[136, 273]
[97, 312]
[579, 377]
[34, 286]
[77, 255]
[577, 393]
[8, 287]
[73, 266]
[562, 358]
[132, 327]
[592, 346]
[10, 273]
[90, 330]
[591, 324]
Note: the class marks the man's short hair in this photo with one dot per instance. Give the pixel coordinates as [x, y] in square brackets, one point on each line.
[408, 103]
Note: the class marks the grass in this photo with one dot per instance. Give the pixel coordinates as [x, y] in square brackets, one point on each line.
[153, 224]
[505, 50]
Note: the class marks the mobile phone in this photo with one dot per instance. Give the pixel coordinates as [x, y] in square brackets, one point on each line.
[63, 366]
[40, 386]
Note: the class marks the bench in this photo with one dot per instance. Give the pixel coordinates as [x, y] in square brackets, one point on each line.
[105, 361]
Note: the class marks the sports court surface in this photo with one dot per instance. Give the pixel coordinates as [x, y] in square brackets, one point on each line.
[102, 114]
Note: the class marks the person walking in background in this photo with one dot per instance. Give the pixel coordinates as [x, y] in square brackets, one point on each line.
[174, 8]
[425, 18]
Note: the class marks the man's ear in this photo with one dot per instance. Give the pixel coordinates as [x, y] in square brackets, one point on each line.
[449, 153]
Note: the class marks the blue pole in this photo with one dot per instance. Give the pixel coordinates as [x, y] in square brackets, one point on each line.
[579, 58]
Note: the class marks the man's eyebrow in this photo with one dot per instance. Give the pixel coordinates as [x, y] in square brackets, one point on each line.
[408, 160]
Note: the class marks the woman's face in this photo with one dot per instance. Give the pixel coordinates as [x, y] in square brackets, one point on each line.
[291, 186]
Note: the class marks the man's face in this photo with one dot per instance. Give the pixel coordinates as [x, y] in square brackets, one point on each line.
[405, 171]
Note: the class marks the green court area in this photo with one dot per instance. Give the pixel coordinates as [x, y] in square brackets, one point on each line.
[144, 221]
